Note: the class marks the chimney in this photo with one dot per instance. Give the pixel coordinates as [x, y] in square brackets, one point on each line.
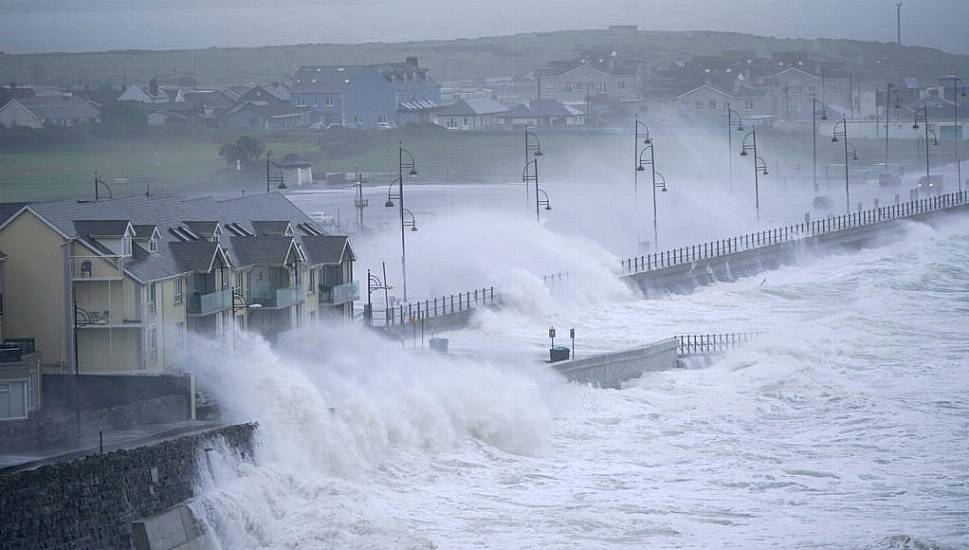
[412, 61]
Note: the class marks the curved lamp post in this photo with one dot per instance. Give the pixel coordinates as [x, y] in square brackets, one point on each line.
[545, 202]
[935, 138]
[760, 166]
[651, 161]
[374, 283]
[841, 131]
[98, 183]
[740, 128]
[957, 92]
[814, 135]
[270, 179]
[411, 165]
[889, 89]
[533, 148]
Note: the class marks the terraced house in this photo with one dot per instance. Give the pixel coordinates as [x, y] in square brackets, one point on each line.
[124, 284]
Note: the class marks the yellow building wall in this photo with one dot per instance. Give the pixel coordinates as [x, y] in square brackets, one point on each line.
[34, 296]
[107, 350]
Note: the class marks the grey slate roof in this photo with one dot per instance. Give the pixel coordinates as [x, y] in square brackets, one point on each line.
[194, 256]
[3, 256]
[266, 250]
[57, 107]
[270, 228]
[8, 209]
[143, 232]
[101, 228]
[474, 106]
[205, 228]
[326, 250]
[167, 212]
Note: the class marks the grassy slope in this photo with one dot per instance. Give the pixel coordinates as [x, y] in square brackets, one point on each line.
[448, 60]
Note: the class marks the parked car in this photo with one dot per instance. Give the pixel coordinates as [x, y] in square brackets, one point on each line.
[930, 185]
[823, 202]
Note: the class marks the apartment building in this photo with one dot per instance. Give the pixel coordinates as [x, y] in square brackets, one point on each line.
[120, 285]
[19, 368]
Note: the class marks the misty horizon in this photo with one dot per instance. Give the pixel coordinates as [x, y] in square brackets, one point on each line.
[60, 25]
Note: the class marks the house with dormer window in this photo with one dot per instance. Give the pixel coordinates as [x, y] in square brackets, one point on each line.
[124, 285]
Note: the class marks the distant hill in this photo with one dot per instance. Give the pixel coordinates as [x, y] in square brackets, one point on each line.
[456, 59]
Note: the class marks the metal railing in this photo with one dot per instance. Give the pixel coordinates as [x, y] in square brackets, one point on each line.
[97, 268]
[703, 344]
[12, 350]
[277, 297]
[436, 307]
[553, 279]
[790, 233]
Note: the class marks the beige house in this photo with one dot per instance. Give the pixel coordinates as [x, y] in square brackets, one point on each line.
[793, 91]
[121, 285]
[48, 112]
[603, 75]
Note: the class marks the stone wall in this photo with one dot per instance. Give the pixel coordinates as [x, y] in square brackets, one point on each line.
[90, 504]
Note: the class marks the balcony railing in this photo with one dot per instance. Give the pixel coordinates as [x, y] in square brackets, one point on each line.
[207, 304]
[12, 350]
[96, 268]
[340, 294]
[277, 298]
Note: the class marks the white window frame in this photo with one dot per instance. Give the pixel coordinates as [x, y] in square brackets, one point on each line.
[179, 285]
[26, 384]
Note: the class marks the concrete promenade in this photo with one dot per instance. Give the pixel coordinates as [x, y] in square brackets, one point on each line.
[685, 268]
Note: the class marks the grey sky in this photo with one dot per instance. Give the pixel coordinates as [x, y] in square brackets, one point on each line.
[74, 25]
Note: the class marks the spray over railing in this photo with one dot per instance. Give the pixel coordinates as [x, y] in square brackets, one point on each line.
[790, 233]
[704, 344]
[403, 314]
[553, 279]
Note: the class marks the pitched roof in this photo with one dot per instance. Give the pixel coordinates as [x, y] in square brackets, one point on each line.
[262, 250]
[474, 106]
[195, 256]
[271, 228]
[102, 228]
[167, 212]
[539, 108]
[60, 107]
[326, 250]
[3, 256]
[204, 228]
[294, 160]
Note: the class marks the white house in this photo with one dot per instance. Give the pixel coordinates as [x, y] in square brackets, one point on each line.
[48, 112]
[296, 170]
[473, 113]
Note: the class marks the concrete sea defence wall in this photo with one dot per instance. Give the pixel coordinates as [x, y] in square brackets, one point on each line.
[686, 268]
[610, 370]
[92, 503]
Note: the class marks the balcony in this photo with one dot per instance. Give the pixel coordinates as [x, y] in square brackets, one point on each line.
[277, 298]
[13, 350]
[207, 304]
[96, 268]
[340, 294]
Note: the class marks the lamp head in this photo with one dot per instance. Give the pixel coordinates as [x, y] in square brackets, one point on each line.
[915, 126]
[854, 157]
[413, 228]
[743, 153]
[664, 188]
[834, 139]
[282, 185]
[740, 128]
[765, 171]
[824, 116]
[538, 153]
[389, 203]
[548, 207]
[413, 171]
[640, 168]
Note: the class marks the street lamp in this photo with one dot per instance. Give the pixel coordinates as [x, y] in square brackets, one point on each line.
[410, 164]
[889, 89]
[533, 146]
[530, 176]
[239, 303]
[956, 133]
[375, 283]
[935, 138]
[545, 202]
[640, 131]
[843, 134]
[740, 128]
[98, 182]
[270, 179]
[760, 166]
[359, 202]
[814, 134]
[652, 165]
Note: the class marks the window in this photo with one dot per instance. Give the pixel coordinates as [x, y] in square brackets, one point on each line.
[568, 85]
[798, 89]
[328, 102]
[451, 123]
[126, 245]
[178, 290]
[622, 84]
[699, 105]
[153, 244]
[180, 335]
[153, 343]
[749, 104]
[312, 285]
[239, 280]
[465, 121]
[713, 105]
[602, 87]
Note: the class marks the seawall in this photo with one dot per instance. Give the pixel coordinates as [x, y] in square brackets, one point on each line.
[685, 269]
[92, 503]
[609, 370]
